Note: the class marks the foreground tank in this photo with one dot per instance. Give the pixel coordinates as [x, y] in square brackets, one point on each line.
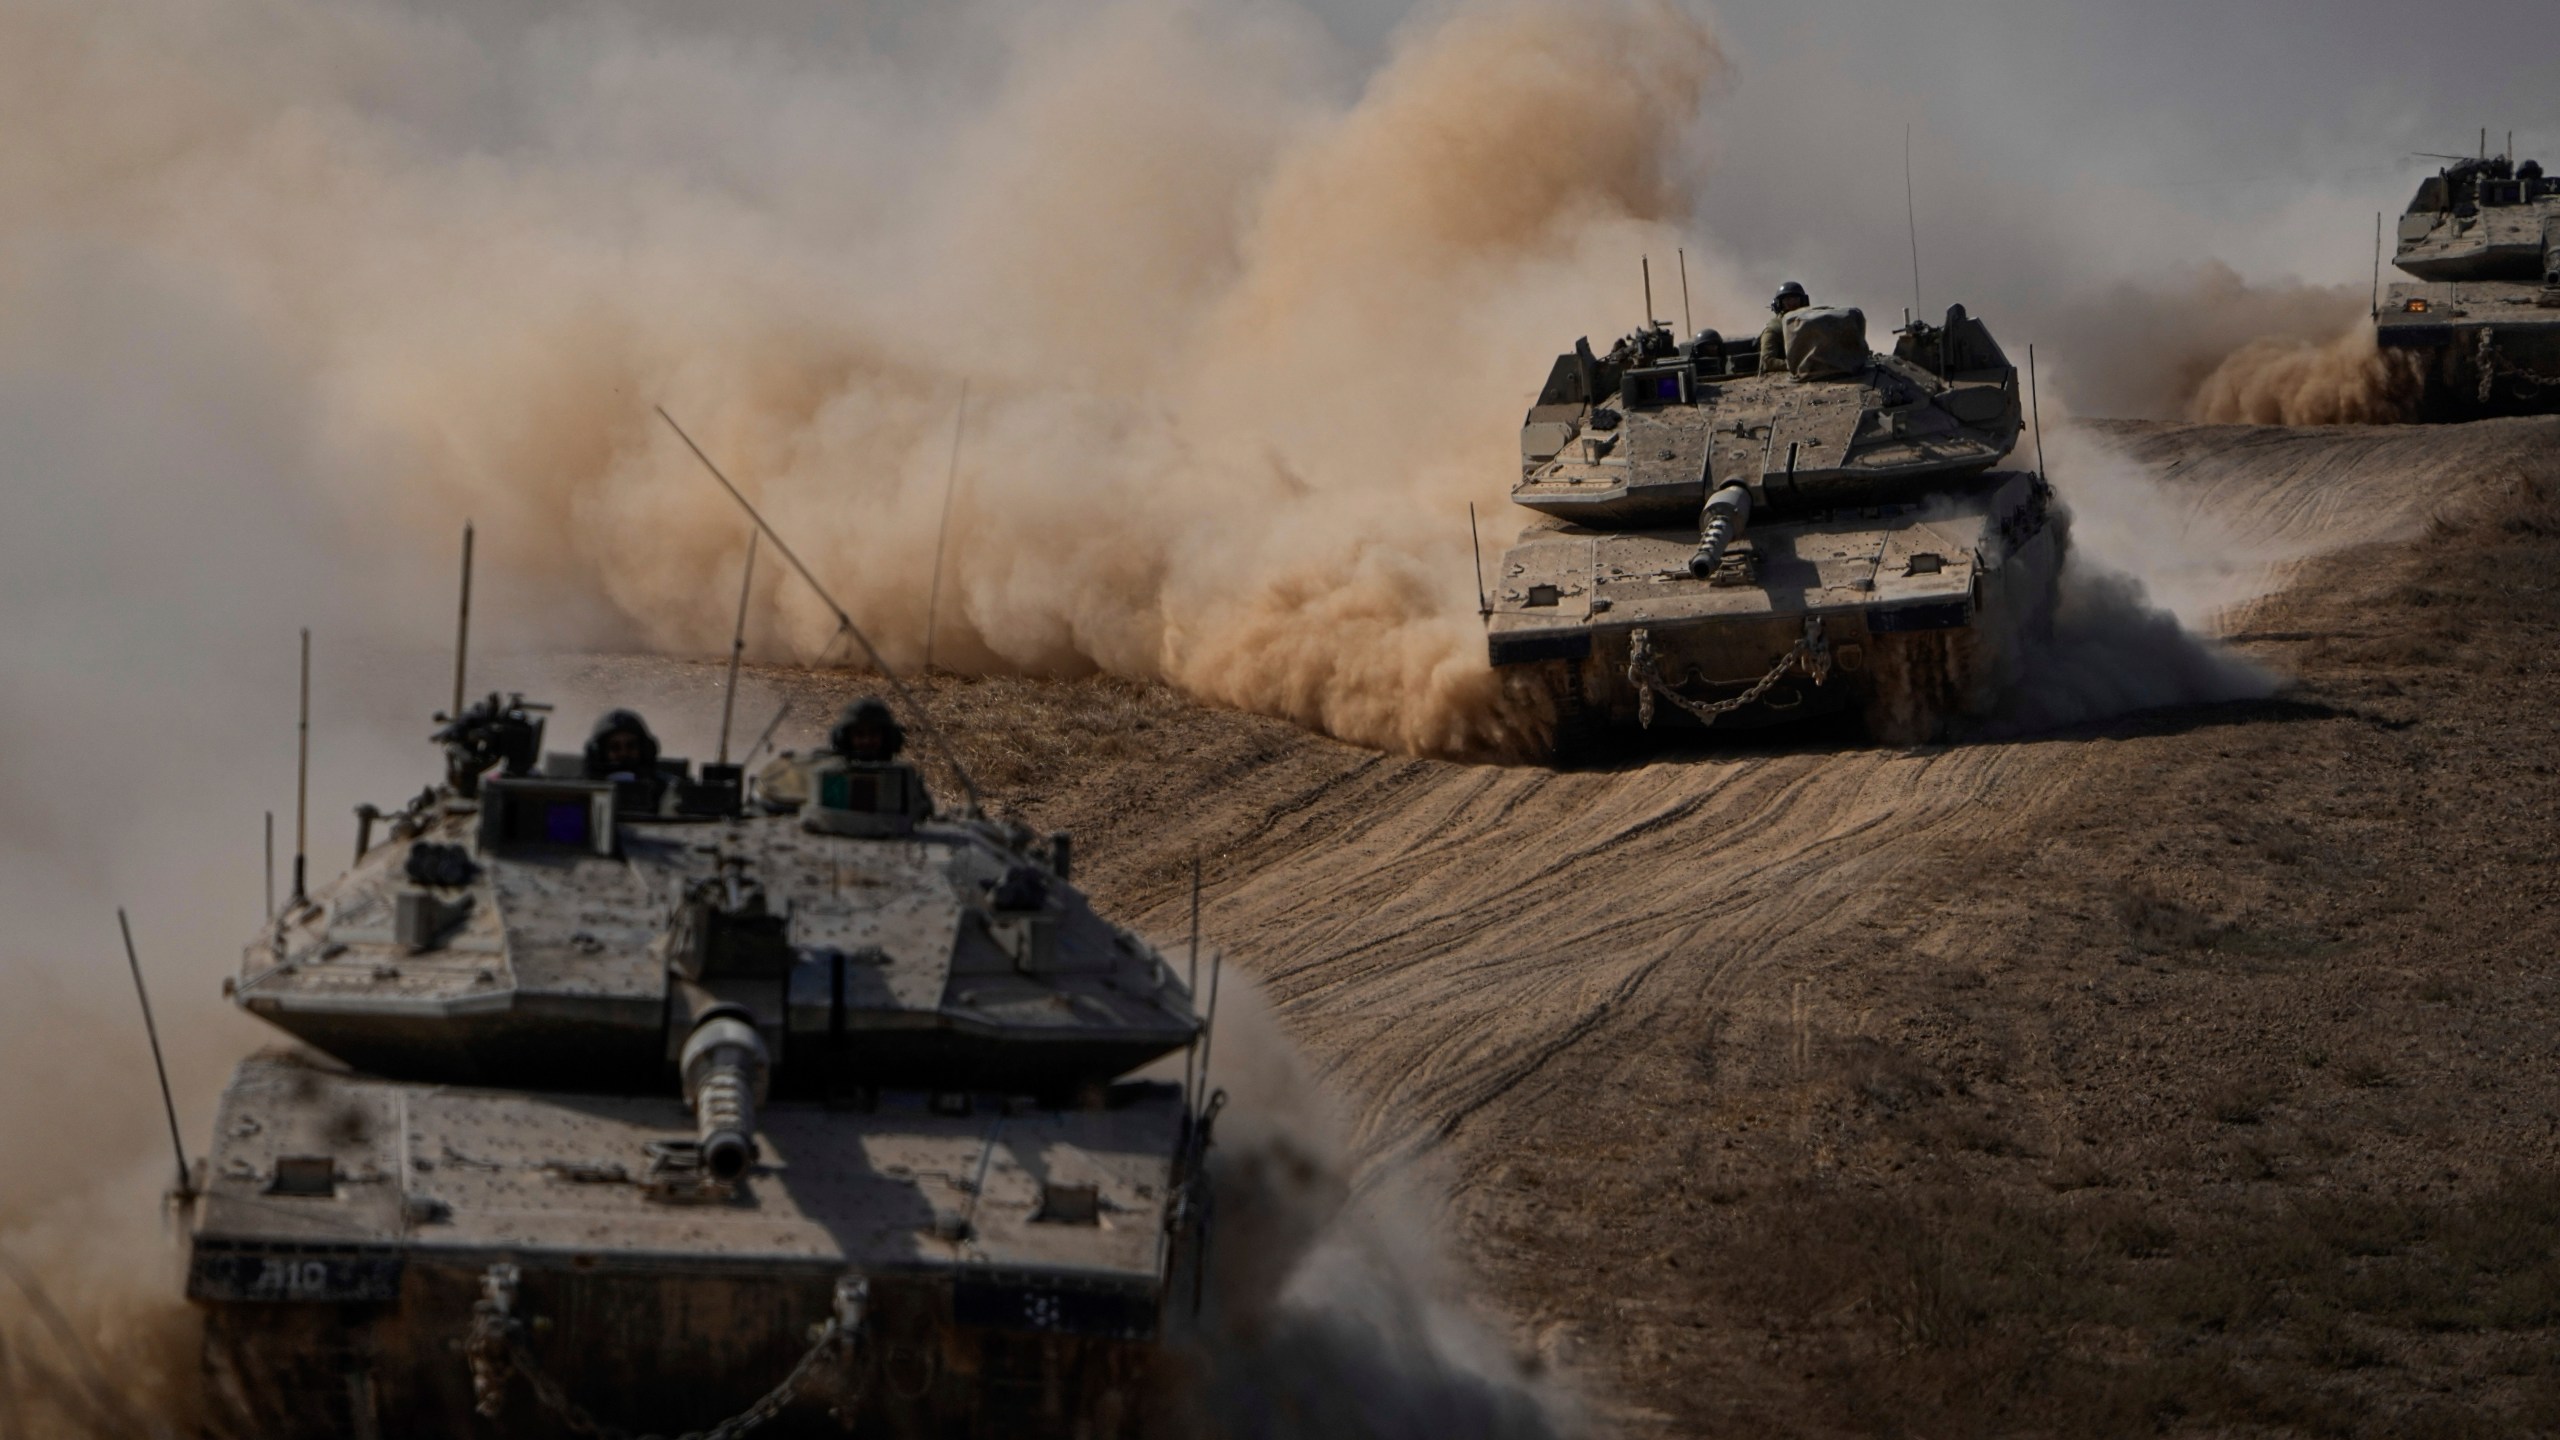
[650, 1104]
[1726, 548]
[2481, 321]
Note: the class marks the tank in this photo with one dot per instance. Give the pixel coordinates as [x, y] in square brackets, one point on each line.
[667, 1101]
[2481, 321]
[1721, 547]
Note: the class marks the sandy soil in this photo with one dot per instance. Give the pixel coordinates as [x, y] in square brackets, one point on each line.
[2188, 1073]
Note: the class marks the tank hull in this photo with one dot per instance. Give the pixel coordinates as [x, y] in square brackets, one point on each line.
[350, 1228]
[2478, 349]
[1910, 615]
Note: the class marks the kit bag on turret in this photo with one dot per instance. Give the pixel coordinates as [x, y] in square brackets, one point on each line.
[1826, 342]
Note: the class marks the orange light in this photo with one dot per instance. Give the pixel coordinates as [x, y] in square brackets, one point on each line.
[2417, 307]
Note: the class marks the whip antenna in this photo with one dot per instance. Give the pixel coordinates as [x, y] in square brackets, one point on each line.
[302, 778]
[1648, 289]
[844, 621]
[737, 644]
[462, 626]
[1686, 323]
[1484, 607]
[186, 1189]
[950, 486]
[2034, 410]
[1911, 218]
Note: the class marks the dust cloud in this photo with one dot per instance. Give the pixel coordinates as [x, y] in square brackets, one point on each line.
[1326, 1311]
[1245, 324]
[2145, 584]
[2344, 380]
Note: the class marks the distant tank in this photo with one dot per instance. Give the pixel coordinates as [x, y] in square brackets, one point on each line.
[2483, 320]
[1728, 548]
[650, 1100]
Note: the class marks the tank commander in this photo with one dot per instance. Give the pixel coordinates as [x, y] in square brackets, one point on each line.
[857, 775]
[867, 733]
[622, 750]
[1773, 336]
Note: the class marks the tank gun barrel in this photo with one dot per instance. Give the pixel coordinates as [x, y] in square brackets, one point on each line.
[1728, 512]
[726, 1068]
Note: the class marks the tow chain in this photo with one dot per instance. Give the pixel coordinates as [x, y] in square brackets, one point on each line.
[1811, 651]
[495, 1348]
[2492, 363]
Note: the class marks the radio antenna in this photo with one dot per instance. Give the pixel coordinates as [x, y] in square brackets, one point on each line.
[462, 626]
[1192, 983]
[1911, 218]
[950, 486]
[186, 1188]
[1687, 323]
[1647, 262]
[738, 644]
[844, 621]
[271, 864]
[2035, 410]
[1475, 547]
[302, 778]
[2377, 265]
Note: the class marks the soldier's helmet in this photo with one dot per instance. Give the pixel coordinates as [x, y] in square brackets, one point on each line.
[642, 759]
[1790, 291]
[867, 732]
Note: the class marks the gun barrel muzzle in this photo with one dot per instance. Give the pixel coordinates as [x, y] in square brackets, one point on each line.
[726, 1069]
[1728, 511]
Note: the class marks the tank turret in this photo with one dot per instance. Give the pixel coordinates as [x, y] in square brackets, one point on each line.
[2481, 325]
[1731, 545]
[622, 1076]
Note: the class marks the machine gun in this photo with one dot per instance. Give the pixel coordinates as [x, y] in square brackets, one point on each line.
[499, 731]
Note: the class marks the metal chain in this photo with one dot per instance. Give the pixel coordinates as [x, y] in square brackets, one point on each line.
[496, 1347]
[1810, 650]
[2493, 362]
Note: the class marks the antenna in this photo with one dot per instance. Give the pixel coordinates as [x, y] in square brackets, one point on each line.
[1189, 1055]
[271, 864]
[462, 626]
[1476, 548]
[738, 644]
[1911, 217]
[1209, 1021]
[1648, 289]
[844, 622]
[302, 778]
[1686, 323]
[186, 1189]
[950, 486]
[2377, 265]
[2035, 410]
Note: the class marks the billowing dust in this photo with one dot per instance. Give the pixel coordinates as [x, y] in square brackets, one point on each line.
[1244, 330]
[2345, 379]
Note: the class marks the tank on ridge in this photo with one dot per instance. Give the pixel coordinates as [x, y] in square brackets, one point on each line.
[1723, 547]
[2482, 320]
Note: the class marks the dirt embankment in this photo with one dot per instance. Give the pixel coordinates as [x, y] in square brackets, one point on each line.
[2188, 1072]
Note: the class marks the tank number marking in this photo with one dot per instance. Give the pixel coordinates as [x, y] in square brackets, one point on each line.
[298, 1277]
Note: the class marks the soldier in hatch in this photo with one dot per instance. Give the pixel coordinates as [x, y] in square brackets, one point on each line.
[867, 733]
[1773, 336]
[622, 750]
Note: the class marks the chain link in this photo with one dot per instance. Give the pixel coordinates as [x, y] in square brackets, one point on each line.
[1810, 650]
[2493, 362]
[495, 1348]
